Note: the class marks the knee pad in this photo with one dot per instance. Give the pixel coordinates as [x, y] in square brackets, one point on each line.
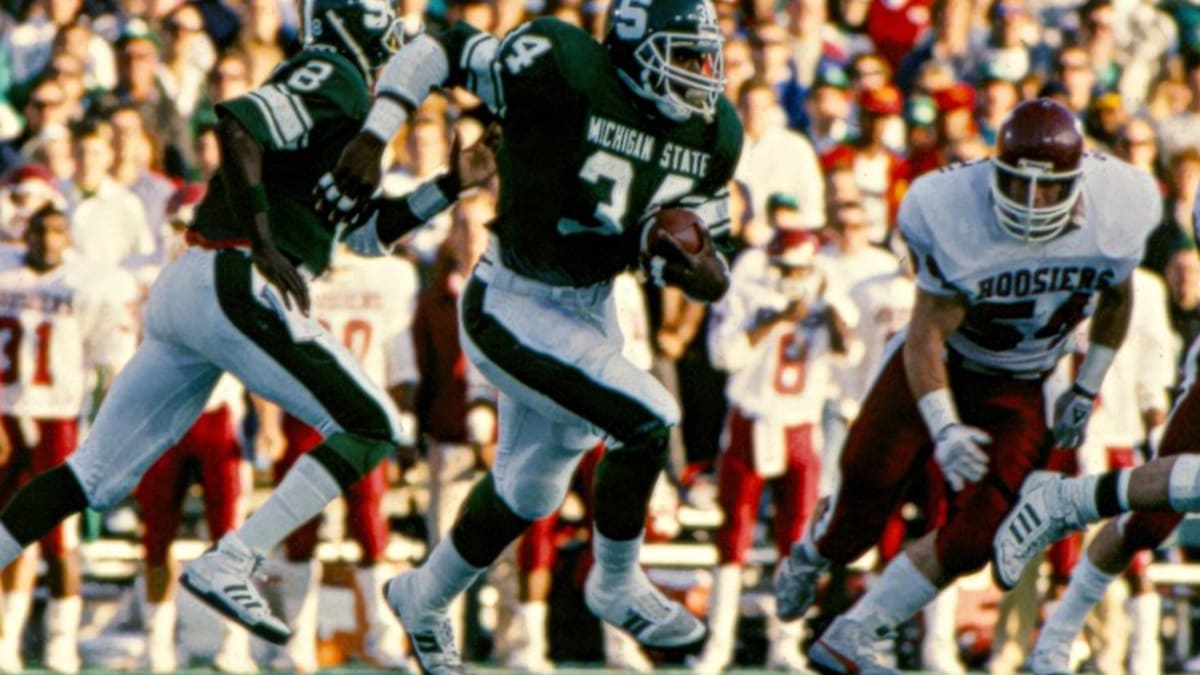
[649, 445]
[1183, 489]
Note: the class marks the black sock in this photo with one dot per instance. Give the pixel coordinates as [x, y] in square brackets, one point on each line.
[1107, 502]
[336, 465]
[485, 526]
[625, 480]
[43, 503]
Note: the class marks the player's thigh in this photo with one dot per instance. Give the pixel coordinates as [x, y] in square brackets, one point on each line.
[153, 401]
[888, 437]
[564, 361]
[536, 457]
[315, 378]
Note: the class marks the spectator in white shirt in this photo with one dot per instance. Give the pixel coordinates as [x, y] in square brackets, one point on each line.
[775, 159]
[108, 222]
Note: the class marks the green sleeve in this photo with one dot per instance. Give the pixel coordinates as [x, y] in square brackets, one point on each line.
[298, 97]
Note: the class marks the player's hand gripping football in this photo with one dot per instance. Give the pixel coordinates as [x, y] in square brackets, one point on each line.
[344, 194]
[701, 275]
[956, 450]
[1071, 413]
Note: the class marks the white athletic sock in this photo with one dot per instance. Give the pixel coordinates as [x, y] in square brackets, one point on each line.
[16, 612]
[305, 491]
[616, 561]
[1088, 584]
[10, 548]
[900, 592]
[444, 576]
[535, 614]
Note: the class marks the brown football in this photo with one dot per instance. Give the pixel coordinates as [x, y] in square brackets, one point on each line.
[681, 225]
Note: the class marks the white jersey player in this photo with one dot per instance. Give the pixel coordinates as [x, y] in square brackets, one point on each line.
[1011, 254]
[778, 332]
[63, 319]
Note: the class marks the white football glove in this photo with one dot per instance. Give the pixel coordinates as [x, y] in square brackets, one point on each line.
[956, 449]
[1071, 413]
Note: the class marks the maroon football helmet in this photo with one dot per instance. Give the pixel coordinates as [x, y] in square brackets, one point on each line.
[1037, 178]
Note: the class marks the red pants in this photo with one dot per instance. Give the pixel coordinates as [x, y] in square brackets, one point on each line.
[210, 449]
[739, 488]
[56, 441]
[364, 513]
[888, 444]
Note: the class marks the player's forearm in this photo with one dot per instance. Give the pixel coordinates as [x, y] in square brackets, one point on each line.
[934, 319]
[404, 83]
[398, 217]
[1109, 326]
[241, 171]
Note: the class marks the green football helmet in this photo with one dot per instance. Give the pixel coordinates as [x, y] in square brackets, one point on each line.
[365, 31]
[669, 52]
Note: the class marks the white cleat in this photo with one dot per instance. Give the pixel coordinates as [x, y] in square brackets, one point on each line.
[430, 633]
[796, 579]
[223, 578]
[639, 608]
[848, 648]
[1041, 516]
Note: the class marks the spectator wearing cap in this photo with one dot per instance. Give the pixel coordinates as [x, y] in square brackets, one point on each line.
[997, 98]
[895, 25]
[950, 40]
[1180, 131]
[27, 190]
[924, 146]
[881, 174]
[139, 85]
[775, 159]
[108, 222]
[827, 110]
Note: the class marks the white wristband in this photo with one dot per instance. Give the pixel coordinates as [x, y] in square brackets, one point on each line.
[1094, 367]
[385, 119]
[937, 408]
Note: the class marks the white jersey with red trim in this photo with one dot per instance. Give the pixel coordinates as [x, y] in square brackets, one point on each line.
[1025, 298]
[785, 377]
[368, 304]
[56, 328]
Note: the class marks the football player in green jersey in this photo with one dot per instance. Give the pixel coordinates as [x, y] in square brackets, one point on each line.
[237, 302]
[597, 138]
